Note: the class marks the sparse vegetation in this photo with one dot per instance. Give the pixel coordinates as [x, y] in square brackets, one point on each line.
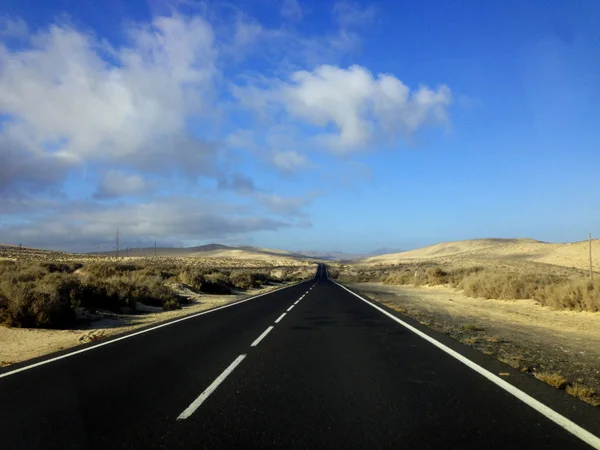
[584, 393]
[553, 379]
[556, 290]
[471, 327]
[37, 291]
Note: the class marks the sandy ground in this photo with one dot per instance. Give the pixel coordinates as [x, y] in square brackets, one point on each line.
[20, 344]
[520, 332]
[479, 251]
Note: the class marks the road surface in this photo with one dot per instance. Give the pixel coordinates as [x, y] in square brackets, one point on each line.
[309, 366]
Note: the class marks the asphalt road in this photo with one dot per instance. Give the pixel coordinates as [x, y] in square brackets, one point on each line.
[333, 372]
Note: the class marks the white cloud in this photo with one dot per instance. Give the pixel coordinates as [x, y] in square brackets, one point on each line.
[353, 101]
[115, 184]
[285, 206]
[10, 27]
[352, 14]
[152, 108]
[291, 10]
[63, 89]
[290, 161]
[82, 226]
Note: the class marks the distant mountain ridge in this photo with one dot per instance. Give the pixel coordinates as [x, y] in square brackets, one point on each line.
[342, 256]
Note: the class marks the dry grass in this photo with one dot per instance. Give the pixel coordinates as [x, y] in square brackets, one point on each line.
[584, 393]
[553, 379]
[93, 336]
[45, 293]
[471, 327]
[558, 289]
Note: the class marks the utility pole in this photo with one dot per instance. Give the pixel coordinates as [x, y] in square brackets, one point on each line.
[117, 246]
[155, 248]
[127, 252]
[590, 242]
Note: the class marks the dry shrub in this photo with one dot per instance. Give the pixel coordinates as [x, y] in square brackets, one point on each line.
[581, 295]
[584, 393]
[107, 269]
[506, 285]
[46, 303]
[41, 289]
[554, 289]
[419, 275]
[472, 327]
[248, 280]
[192, 277]
[553, 379]
[171, 304]
[127, 289]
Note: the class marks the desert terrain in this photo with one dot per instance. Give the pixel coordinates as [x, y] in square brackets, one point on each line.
[50, 301]
[527, 303]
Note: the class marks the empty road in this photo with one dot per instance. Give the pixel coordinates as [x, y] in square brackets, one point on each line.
[309, 366]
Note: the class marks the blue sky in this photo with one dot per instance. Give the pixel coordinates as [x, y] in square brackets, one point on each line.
[303, 125]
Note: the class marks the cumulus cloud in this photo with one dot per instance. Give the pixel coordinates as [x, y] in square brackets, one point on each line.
[358, 104]
[63, 90]
[115, 183]
[165, 105]
[24, 168]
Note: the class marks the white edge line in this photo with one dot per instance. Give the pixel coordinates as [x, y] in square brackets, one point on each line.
[262, 336]
[290, 308]
[280, 317]
[102, 344]
[555, 417]
[210, 389]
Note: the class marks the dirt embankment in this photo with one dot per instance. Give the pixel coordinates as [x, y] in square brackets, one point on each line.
[520, 333]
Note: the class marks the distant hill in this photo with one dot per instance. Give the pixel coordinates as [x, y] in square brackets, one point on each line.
[208, 251]
[446, 249]
[342, 256]
[482, 251]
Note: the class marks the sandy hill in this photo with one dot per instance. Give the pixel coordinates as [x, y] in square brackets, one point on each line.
[572, 254]
[342, 256]
[203, 251]
[210, 251]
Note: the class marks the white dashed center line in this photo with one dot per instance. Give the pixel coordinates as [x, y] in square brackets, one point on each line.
[210, 389]
[261, 337]
[215, 384]
[280, 317]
